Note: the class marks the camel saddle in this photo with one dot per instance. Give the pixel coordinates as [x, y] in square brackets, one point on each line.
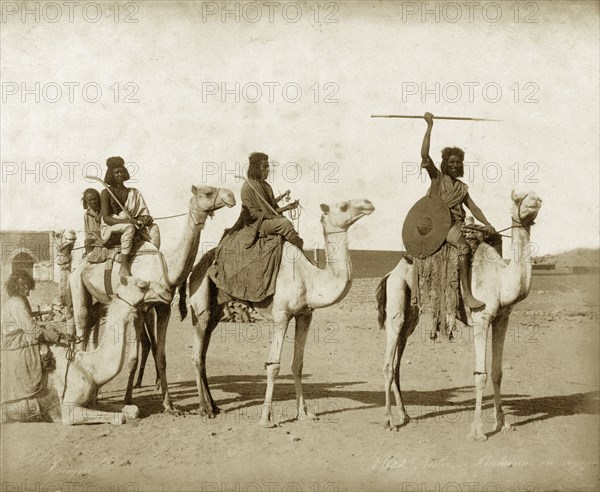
[436, 285]
[245, 267]
[110, 252]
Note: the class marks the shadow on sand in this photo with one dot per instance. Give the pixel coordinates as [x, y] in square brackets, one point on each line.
[447, 403]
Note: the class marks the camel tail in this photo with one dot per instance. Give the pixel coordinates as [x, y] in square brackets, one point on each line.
[183, 310]
[195, 279]
[381, 296]
[64, 294]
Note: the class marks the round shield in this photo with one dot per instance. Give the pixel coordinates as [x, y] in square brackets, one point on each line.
[426, 226]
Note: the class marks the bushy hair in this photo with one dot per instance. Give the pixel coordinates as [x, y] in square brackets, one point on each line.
[12, 287]
[89, 190]
[254, 168]
[113, 163]
[449, 151]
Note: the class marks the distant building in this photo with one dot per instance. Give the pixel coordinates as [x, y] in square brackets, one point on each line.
[31, 251]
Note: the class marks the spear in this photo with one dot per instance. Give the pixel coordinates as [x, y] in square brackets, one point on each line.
[461, 118]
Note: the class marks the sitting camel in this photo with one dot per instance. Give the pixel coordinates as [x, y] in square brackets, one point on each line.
[499, 285]
[87, 281]
[300, 288]
[72, 385]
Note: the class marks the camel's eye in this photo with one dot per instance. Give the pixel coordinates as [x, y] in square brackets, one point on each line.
[344, 207]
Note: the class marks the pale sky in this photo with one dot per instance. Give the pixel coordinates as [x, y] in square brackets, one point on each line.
[540, 78]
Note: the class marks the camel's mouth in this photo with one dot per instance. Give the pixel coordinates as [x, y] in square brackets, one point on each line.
[158, 291]
[226, 199]
[362, 210]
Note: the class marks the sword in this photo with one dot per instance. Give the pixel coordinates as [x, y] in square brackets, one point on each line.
[459, 118]
[143, 233]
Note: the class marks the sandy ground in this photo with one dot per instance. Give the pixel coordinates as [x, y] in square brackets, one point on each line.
[550, 390]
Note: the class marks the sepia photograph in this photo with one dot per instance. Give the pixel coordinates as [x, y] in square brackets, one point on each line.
[348, 245]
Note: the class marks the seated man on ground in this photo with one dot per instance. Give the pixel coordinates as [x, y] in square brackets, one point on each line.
[21, 360]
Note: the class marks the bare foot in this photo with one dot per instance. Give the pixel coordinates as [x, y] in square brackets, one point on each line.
[473, 303]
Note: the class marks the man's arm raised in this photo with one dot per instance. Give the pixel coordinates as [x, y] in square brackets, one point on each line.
[427, 162]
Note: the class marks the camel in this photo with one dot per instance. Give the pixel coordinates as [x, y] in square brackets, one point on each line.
[86, 282]
[499, 285]
[65, 241]
[300, 288]
[70, 388]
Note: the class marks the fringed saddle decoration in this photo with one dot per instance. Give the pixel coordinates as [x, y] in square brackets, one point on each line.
[436, 291]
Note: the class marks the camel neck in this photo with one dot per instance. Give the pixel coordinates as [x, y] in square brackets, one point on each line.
[517, 276]
[106, 361]
[333, 282]
[181, 260]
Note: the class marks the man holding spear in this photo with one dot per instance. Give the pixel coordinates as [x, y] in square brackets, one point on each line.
[454, 193]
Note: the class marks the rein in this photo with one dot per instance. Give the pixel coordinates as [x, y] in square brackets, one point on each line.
[519, 220]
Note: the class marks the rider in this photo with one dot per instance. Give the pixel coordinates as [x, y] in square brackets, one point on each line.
[260, 206]
[91, 218]
[21, 335]
[123, 211]
[454, 193]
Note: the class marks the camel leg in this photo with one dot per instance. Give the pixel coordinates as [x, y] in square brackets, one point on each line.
[399, 325]
[148, 344]
[163, 313]
[132, 361]
[302, 327]
[499, 328]
[82, 302]
[392, 328]
[214, 321]
[75, 414]
[481, 323]
[281, 320]
[204, 325]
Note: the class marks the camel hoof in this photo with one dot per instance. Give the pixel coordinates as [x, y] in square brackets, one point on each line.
[476, 436]
[216, 410]
[307, 416]
[137, 385]
[388, 423]
[206, 412]
[172, 411]
[267, 424]
[131, 412]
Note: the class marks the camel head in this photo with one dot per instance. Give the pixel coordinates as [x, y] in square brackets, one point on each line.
[340, 216]
[65, 241]
[207, 199]
[134, 291]
[526, 206]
